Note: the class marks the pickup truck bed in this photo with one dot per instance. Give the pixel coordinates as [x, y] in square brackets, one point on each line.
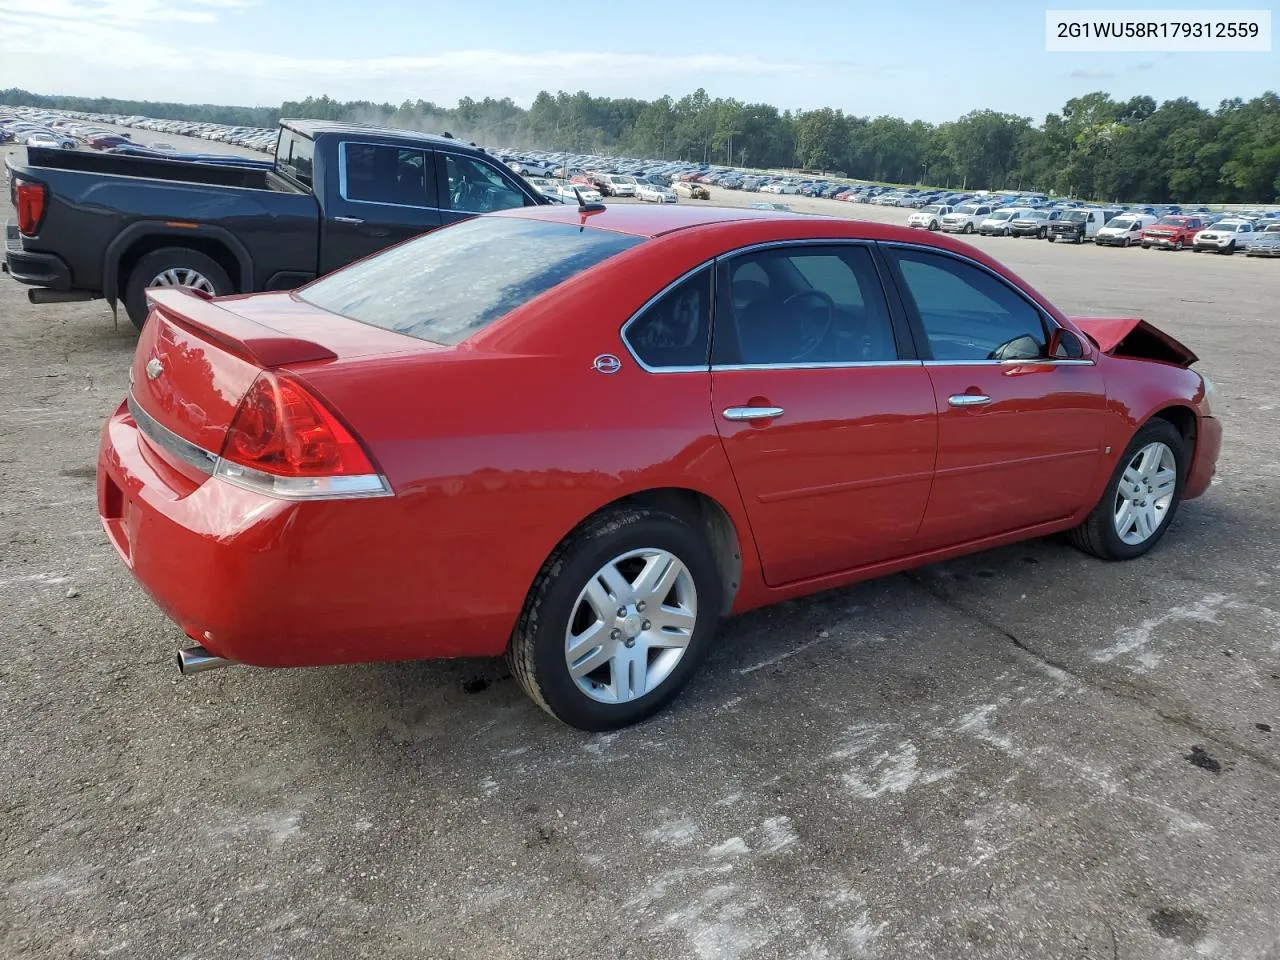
[250, 176]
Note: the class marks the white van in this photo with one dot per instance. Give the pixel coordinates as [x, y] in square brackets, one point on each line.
[1124, 230]
[999, 223]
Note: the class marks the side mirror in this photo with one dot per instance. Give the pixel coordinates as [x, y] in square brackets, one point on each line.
[1065, 345]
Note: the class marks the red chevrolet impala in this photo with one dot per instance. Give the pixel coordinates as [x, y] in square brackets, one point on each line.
[581, 437]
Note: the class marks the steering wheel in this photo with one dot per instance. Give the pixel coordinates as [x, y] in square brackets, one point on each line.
[824, 300]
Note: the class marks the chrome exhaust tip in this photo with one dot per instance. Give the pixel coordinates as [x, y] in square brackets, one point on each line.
[196, 659]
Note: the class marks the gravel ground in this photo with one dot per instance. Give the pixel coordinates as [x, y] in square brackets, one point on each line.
[1026, 753]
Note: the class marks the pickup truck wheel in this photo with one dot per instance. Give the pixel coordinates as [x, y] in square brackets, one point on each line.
[617, 619]
[1141, 497]
[1231, 248]
[1053, 239]
[1177, 244]
[968, 228]
[172, 267]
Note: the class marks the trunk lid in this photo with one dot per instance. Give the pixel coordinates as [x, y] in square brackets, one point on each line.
[1134, 338]
[196, 359]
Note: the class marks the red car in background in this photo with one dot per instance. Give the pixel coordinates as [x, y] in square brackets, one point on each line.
[1172, 232]
[521, 434]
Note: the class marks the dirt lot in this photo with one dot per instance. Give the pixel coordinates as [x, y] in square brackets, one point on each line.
[1027, 753]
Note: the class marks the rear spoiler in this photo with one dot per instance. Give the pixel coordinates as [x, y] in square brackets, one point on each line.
[1134, 337]
[234, 333]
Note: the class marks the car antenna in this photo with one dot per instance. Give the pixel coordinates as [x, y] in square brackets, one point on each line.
[583, 206]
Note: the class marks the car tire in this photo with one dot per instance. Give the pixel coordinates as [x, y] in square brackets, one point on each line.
[1041, 234]
[1128, 242]
[1146, 246]
[1053, 239]
[968, 228]
[1177, 244]
[1231, 248]
[933, 225]
[616, 540]
[1100, 534]
[177, 263]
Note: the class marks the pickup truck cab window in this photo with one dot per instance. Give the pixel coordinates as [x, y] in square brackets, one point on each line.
[295, 156]
[384, 173]
[475, 187]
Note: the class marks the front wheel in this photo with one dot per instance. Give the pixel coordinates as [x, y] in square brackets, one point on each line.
[1231, 248]
[933, 224]
[1053, 239]
[172, 267]
[617, 619]
[1177, 244]
[1041, 233]
[1141, 497]
[968, 228]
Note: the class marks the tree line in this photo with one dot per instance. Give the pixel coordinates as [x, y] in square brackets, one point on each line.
[1093, 147]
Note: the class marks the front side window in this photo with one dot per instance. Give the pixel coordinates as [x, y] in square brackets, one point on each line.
[804, 304]
[675, 330]
[966, 313]
[446, 285]
[386, 174]
[475, 187]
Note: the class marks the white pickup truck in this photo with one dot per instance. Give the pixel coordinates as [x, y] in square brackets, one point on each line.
[965, 218]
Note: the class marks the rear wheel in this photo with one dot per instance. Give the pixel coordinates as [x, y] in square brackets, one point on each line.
[172, 267]
[617, 619]
[1141, 497]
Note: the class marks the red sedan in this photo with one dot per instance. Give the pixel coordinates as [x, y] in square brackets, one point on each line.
[583, 437]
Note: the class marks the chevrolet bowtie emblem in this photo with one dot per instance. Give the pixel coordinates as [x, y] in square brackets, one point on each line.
[154, 368]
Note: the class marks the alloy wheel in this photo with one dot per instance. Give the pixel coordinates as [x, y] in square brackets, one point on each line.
[631, 625]
[183, 277]
[1145, 493]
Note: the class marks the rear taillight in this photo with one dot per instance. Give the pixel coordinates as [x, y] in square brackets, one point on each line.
[29, 198]
[284, 442]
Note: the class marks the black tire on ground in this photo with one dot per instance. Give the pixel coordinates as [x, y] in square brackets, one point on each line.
[1177, 244]
[968, 228]
[537, 650]
[1053, 239]
[1097, 535]
[933, 224]
[1231, 248]
[169, 258]
[1042, 233]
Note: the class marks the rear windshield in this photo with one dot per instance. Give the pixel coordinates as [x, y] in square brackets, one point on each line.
[454, 282]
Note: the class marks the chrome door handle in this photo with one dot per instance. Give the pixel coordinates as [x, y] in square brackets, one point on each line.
[968, 400]
[752, 413]
[347, 220]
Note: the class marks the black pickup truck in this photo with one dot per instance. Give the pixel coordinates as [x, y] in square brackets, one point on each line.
[95, 225]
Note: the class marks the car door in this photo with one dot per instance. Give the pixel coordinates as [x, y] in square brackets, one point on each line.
[469, 186]
[384, 193]
[826, 415]
[1019, 433]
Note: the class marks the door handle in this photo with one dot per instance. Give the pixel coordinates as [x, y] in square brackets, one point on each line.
[968, 400]
[752, 413]
[347, 220]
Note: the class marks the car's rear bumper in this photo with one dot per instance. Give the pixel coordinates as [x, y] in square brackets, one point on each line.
[1204, 462]
[279, 583]
[36, 269]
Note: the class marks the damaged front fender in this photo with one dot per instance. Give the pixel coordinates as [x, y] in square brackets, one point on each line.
[1133, 337]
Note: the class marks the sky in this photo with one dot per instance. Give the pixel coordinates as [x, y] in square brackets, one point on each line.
[932, 60]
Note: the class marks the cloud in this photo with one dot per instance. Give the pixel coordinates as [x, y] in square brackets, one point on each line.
[129, 48]
[1090, 74]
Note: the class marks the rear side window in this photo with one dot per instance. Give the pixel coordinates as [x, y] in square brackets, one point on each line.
[384, 174]
[295, 156]
[675, 330]
[451, 283]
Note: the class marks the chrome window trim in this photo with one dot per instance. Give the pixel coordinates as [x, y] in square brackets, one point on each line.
[1062, 361]
[342, 175]
[186, 451]
[833, 365]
